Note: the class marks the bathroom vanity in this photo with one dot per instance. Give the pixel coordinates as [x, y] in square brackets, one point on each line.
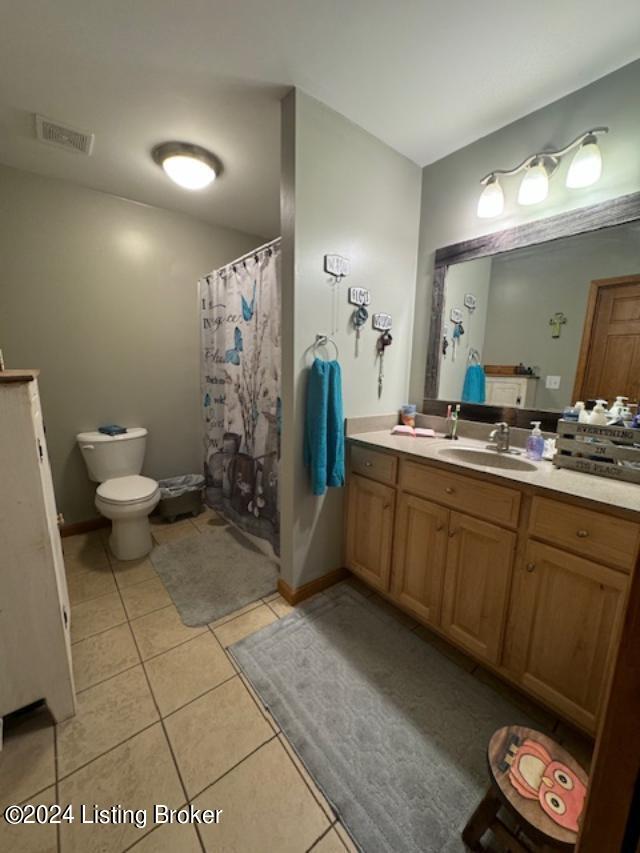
[524, 568]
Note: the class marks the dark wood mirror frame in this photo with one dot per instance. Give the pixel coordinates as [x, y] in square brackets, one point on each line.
[582, 221]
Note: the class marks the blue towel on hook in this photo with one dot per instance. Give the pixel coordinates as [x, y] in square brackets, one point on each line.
[474, 389]
[324, 426]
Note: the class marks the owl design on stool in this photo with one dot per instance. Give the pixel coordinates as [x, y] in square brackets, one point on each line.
[537, 776]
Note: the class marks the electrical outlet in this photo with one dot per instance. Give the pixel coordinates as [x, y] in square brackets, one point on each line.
[552, 383]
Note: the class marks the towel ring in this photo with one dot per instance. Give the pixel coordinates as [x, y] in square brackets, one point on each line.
[323, 340]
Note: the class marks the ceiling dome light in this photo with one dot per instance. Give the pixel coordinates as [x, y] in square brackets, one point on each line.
[491, 201]
[534, 187]
[586, 166]
[189, 166]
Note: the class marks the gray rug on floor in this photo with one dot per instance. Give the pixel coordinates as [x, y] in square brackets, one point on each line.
[211, 575]
[393, 732]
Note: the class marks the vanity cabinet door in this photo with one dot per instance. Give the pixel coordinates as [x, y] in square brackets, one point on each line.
[479, 559]
[419, 557]
[563, 625]
[370, 530]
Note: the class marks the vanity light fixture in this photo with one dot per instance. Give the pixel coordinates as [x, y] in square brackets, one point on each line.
[585, 169]
[189, 166]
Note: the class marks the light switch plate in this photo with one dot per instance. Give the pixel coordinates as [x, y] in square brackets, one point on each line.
[552, 383]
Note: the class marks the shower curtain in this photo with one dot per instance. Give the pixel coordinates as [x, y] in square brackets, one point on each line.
[240, 385]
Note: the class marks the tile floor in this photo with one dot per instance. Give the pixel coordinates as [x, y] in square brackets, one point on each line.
[165, 717]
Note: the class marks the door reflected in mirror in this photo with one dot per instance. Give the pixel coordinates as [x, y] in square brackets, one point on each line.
[538, 328]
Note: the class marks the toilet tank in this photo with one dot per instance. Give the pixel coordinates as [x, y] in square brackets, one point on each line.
[109, 456]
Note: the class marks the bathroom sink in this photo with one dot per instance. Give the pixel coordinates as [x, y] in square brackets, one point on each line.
[488, 458]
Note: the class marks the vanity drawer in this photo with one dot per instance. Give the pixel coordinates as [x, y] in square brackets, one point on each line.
[485, 500]
[595, 535]
[376, 466]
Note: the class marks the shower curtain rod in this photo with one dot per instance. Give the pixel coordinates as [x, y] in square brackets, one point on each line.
[251, 253]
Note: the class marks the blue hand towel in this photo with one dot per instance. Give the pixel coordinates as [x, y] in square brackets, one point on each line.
[324, 427]
[474, 390]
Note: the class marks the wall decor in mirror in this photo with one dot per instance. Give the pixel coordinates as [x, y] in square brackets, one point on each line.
[554, 314]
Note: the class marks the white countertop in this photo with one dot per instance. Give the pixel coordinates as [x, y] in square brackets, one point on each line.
[545, 475]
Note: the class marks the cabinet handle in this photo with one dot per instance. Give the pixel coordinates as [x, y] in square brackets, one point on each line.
[530, 567]
[386, 506]
[439, 527]
[453, 533]
[367, 463]
[582, 534]
[450, 490]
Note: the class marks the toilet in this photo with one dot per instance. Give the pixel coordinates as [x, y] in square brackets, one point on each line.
[123, 496]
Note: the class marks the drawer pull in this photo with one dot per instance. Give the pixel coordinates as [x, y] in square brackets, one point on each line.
[453, 533]
[530, 567]
[450, 490]
[439, 527]
[368, 464]
[582, 534]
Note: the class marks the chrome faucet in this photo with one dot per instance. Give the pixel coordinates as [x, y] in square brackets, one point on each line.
[500, 437]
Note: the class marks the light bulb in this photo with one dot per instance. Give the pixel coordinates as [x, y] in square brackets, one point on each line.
[586, 166]
[188, 172]
[491, 201]
[534, 187]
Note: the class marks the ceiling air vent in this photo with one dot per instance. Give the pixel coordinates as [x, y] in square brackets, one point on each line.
[54, 133]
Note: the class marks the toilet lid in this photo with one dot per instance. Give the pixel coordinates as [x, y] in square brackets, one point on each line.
[123, 490]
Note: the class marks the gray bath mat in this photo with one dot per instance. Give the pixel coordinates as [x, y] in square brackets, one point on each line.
[211, 575]
[392, 731]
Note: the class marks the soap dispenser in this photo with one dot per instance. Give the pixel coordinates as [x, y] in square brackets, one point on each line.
[599, 414]
[583, 414]
[535, 442]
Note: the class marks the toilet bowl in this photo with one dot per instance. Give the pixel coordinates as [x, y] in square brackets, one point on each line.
[128, 502]
[123, 496]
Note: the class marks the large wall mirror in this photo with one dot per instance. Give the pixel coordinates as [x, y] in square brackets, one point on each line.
[548, 312]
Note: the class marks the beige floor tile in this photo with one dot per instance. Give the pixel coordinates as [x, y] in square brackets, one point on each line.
[108, 714]
[464, 662]
[128, 572]
[392, 611]
[344, 836]
[317, 793]
[243, 626]
[98, 614]
[184, 673]
[329, 843]
[579, 745]
[27, 760]
[173, 532]
[31, 838]
[103, 655]
[215, 732]
[145, 597]
[170, 838]
[269, 598]
[82, 542]
[136, 774]
[160, 631]
[280, 607]
[95, 561]
[208, 520]
[545, 719]
[265, 713]
[91, 583]
[234, 614]
[263, 798]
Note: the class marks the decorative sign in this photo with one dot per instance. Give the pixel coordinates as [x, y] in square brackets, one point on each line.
[337, 266]
[359, 296]
[470, 302]
[382, 322]
[456, 315]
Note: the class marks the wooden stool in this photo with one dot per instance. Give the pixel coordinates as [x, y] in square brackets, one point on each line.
[539, 784]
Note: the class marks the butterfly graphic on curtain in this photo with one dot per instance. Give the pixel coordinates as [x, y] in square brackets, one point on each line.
[248, 309]
[232, 356]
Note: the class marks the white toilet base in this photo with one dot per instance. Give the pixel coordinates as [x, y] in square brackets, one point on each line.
[130, 538]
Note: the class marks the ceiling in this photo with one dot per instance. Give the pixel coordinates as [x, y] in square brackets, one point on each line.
[426, 77]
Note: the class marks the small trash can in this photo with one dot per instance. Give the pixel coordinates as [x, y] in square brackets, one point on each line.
[181, 496]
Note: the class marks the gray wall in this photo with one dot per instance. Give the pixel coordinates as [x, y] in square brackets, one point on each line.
[473, 277]
[530, 285]
[100, 294]
[450, 187]
[344, 191]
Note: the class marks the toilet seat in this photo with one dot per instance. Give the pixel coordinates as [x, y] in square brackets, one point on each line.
[123, 491]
